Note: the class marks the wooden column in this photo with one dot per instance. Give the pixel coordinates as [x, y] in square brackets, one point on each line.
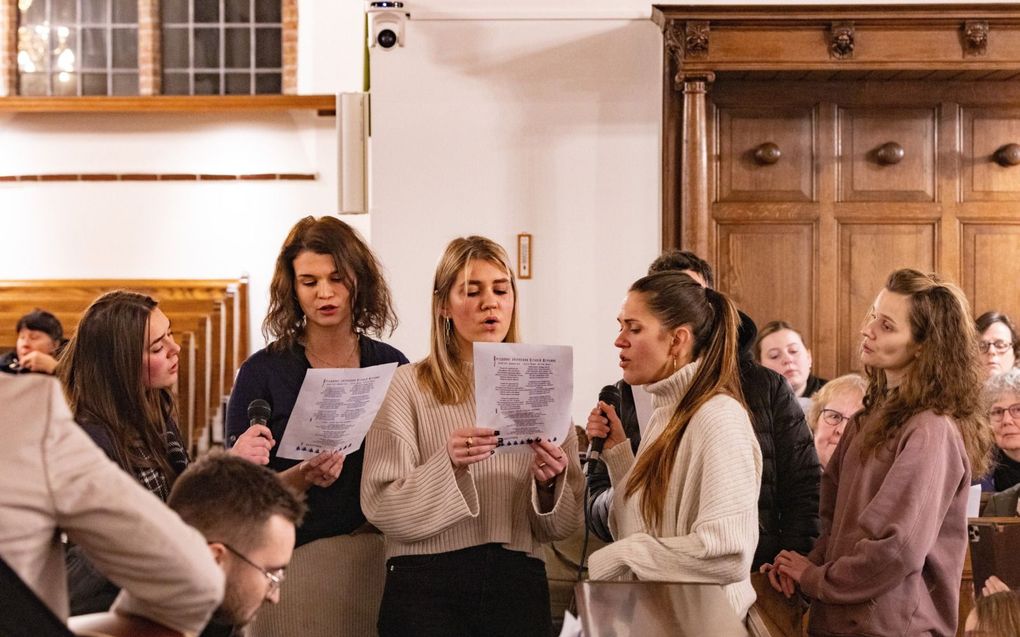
[695, 214]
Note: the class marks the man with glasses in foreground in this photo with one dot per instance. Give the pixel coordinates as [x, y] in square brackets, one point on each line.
[248, 518]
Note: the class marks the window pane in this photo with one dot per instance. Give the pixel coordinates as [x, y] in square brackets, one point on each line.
[207, 84]
[237, 11]
[174, 11]
[125, 12]
[175, 48]
[207, 49]
[94, 11]
[93, 50]
[267, 10]
[65, 84]
[207, 10]
[238, 84]
[125, 84]
[33, 12]
[64, 44]
[93, 84]
[32, 84]
[267, 48]
[32, 45]
[175, 84]
[238, 48]
[125, 48]
[268, 83]
[63, 11]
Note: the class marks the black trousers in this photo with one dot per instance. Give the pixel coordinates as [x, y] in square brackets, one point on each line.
[481, 590]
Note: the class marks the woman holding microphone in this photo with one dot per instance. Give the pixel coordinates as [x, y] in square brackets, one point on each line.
[685, 507]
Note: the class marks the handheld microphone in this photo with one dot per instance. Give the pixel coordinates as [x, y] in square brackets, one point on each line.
[259, 412]
[610, 395]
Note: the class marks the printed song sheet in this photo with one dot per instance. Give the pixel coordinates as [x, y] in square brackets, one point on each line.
[334, 410]
[524, 392]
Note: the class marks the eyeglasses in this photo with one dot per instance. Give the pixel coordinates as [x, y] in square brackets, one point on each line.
[999, 347]
[275, 577]
[996, 413]
[833, 418]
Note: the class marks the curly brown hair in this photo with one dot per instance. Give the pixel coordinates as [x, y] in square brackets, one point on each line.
[371, 305]
[947, 375]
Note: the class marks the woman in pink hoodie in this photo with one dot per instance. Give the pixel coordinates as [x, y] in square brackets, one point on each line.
[894, 495]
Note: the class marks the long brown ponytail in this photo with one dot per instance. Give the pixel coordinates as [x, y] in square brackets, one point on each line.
[675, 299]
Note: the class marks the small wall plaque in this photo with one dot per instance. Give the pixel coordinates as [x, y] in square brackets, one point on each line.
[524, 256]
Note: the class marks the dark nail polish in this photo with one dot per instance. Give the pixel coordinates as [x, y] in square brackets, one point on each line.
[495, 433]
[492, 452]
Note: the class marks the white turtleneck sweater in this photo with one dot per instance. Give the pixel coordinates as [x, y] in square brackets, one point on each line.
[709, 527]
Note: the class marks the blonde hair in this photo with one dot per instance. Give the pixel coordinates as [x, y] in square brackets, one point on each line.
[828, 392]
[442, 372]
[998, 615]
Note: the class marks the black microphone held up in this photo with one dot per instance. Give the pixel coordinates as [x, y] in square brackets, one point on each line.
[259, 412]
[610, 395]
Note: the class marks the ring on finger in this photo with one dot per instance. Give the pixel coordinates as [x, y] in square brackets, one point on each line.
[469, 442]
[541, 464]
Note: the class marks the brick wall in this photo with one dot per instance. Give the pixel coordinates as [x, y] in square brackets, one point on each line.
[8, 47]
[290, 35]
[150, 76]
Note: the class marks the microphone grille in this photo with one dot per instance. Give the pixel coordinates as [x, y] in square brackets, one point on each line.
[259, 409]
[610, 395]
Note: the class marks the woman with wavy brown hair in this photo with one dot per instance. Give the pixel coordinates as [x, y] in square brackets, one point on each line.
[685, 508]
[327, 295]
[894, 495]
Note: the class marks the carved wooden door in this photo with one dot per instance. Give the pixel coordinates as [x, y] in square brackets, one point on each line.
[819, 189]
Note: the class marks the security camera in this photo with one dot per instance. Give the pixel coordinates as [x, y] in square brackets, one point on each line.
[386, 24]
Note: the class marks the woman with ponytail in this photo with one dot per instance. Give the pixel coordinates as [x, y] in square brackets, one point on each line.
[894, 495]
[685, 507]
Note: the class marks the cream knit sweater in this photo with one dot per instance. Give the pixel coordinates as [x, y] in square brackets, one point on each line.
[709, 526]
[410, 492]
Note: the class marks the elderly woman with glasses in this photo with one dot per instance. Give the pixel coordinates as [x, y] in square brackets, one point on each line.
[833, 406]
[1002, 395]
[999, 345]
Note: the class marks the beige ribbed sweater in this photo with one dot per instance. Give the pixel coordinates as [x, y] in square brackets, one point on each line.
[410, 492]
[709, 527]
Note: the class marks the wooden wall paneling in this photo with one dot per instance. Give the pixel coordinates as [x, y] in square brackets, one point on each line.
[988, 251]
[949, 190]
[769, 271]
[824, 345]
[766, 154]
[991, 136]
[868, 252]
[870, 167]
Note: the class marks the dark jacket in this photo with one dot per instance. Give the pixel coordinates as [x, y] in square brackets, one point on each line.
[788, 501]
[813, 384]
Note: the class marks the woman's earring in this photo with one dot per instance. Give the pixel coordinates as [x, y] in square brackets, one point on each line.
[449, 327]
[674, 364]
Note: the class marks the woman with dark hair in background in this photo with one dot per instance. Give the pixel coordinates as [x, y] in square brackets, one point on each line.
[40, 340]
[118, 372]
[684, 508]
[894, 494]
[464, 526]
[327, 295]
[997, 340]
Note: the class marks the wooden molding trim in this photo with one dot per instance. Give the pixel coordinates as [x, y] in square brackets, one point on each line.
[159, 177]
[322, 104]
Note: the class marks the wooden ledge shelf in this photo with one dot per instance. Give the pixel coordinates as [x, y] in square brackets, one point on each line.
[324, 105]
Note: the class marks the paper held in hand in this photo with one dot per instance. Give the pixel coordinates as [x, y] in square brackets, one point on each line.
[334, 410]
[524, 392]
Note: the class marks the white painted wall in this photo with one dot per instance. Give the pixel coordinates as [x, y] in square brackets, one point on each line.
[543, 126]
[179, 229]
